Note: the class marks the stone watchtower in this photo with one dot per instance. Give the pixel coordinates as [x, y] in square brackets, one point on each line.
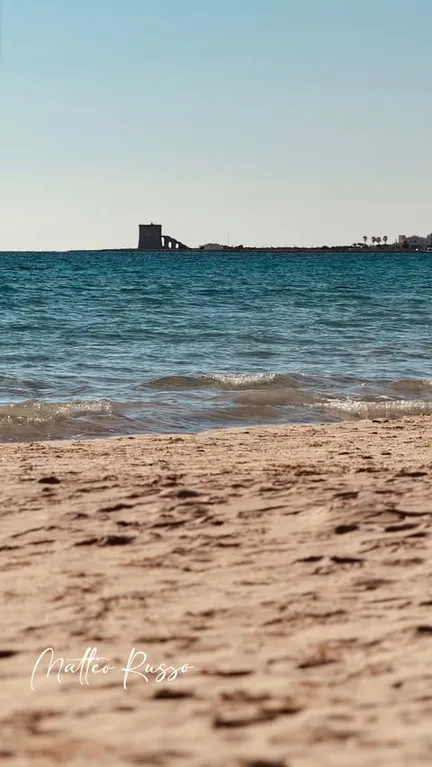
[150, 237]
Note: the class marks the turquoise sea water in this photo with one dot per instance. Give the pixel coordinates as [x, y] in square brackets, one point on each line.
[99, 344]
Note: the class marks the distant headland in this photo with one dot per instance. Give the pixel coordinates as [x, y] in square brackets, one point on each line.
[151, 238]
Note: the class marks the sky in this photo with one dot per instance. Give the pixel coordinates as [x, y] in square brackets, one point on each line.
[254, 122]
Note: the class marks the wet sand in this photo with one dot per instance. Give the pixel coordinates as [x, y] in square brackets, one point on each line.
[290, 566]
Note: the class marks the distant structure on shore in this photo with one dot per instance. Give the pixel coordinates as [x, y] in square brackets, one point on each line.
[415, 241]
[151, 238]
[213, 246]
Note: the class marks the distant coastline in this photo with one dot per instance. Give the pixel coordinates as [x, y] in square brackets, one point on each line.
[152, 239]
[227, 249]
[253, 249]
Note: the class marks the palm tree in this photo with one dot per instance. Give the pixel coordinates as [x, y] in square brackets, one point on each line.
[374, 239]
[385, 238]
[365, 239]
[378, 239]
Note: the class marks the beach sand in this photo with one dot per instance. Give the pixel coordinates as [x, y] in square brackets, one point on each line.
[290, 566]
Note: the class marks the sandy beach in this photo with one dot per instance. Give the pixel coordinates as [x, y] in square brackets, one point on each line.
[289, 566]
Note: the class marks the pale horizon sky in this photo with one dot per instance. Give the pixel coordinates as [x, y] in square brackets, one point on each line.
[261, 122]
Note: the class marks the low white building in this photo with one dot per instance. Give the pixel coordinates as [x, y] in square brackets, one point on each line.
[212, 246]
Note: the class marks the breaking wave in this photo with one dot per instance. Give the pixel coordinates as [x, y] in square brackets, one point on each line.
[194, 402]
[247, 381]
[226, 381]
[32, 420]
[378, 409]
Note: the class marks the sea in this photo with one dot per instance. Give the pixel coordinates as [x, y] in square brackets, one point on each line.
[120, 343]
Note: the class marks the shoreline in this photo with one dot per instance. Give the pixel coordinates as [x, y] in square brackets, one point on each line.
[288, 564]
[245, 428]
[385, 411]
[347, 249]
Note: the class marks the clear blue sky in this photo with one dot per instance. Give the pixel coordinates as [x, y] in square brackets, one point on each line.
[265, 121]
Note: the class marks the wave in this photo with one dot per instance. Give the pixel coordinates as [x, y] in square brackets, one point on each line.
[248, 381]
[378, 408]
[224, 381]
[35, 419]
[299, 410]
[194, 402]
